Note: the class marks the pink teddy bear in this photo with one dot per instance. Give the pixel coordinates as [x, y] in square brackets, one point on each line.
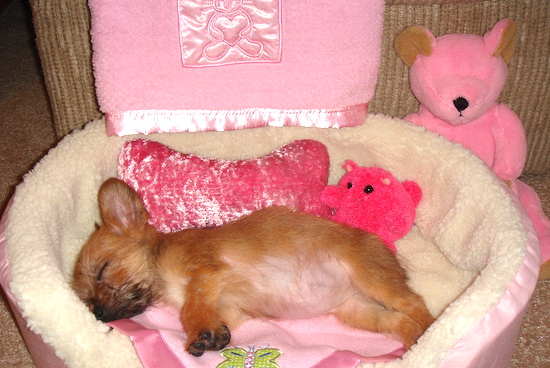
[457, 79]
[372, 199]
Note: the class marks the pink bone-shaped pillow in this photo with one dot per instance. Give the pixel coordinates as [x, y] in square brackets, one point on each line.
[182, 190]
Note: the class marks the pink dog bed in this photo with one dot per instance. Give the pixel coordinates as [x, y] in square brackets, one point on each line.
[472, 253]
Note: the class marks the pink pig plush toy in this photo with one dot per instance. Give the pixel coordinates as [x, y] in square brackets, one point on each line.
[457, 79]
[370, 198]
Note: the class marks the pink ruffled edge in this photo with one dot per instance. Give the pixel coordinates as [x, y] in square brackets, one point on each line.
[130, 122]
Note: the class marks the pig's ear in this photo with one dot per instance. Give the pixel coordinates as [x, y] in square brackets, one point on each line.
[350, 165]
[501, 39]
[414, 190]
[121, 208]
[414, 41]
[330, 196]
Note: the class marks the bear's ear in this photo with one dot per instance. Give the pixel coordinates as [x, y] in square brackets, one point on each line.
[501, 39]
[413, 41]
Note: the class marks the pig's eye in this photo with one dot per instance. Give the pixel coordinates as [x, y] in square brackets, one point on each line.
[369, 189]
[350, 185]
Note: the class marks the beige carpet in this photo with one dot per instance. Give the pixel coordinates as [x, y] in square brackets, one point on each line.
[26, 133]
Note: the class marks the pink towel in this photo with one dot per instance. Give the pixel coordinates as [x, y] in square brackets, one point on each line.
[321, 342]
[197, 65]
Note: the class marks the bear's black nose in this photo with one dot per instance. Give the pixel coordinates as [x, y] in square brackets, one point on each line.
[461, 104]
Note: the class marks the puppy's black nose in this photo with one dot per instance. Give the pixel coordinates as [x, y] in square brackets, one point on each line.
[461, 104]
[99, 312]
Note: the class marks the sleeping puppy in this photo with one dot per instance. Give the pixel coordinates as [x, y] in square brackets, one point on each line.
[274, 263]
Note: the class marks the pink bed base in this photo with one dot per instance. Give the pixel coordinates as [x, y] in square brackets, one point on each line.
[489, 344]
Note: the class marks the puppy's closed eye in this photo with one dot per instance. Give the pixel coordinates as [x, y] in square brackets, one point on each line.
[100, 273]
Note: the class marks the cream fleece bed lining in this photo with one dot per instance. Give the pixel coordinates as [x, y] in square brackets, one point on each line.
[465, 210]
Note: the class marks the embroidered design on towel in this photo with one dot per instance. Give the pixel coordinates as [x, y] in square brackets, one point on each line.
[241, 358]
[221, 32]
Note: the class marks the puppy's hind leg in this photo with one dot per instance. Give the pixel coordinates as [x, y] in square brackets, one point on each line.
[376, 275]
[369, 315]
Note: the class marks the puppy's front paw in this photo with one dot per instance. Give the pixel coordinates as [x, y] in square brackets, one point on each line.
[215, 339]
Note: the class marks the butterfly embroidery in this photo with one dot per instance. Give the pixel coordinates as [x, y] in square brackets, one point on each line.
[241, 358]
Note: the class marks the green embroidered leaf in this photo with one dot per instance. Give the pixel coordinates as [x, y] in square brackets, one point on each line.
[240, 358]
[234, 358]
[264, 358]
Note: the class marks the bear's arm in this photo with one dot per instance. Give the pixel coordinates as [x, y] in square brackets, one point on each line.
[510, 144]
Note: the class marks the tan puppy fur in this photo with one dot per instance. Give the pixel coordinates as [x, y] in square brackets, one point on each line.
[274, 263]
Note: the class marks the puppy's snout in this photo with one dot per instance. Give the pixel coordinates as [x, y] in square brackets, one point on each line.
[103, 314]
[461, 104]
[99, 312]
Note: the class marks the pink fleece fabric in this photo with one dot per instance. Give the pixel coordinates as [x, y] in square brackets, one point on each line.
[463, 66]
[215, 65]
[182, 190]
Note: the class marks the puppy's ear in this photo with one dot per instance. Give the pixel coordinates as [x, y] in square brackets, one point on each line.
[120, 207]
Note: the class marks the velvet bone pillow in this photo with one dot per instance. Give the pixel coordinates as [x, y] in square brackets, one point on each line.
[183, 190]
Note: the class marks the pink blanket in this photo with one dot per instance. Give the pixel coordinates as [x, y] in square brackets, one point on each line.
[196, 65]
[321, 342]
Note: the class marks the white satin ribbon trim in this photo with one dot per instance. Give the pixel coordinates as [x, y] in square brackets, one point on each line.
[172, 121]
